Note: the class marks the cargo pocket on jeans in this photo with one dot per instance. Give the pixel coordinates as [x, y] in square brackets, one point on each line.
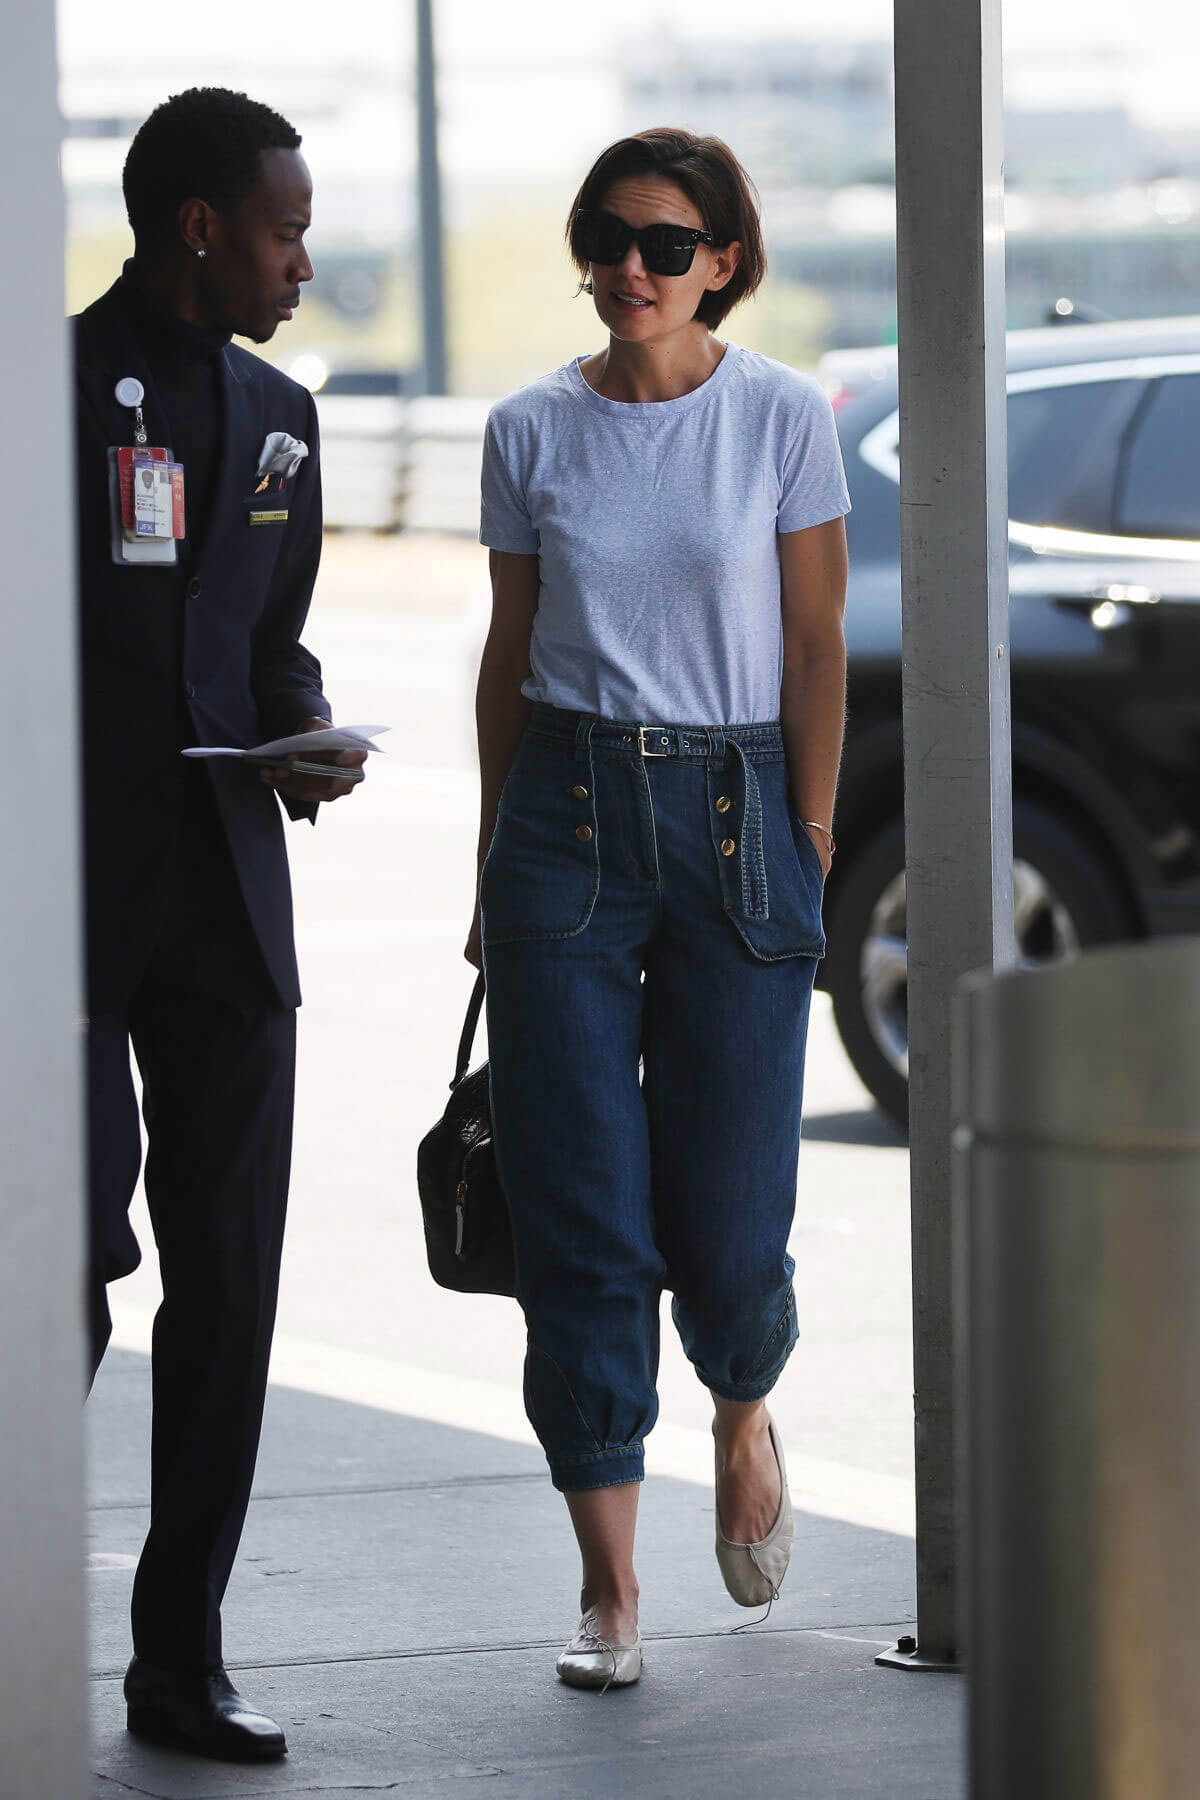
[542, 872]
[790, 924]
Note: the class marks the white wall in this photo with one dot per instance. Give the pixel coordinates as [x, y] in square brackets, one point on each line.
[43, 1741]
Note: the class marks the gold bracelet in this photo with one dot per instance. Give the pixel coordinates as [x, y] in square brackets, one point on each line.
[816, 825]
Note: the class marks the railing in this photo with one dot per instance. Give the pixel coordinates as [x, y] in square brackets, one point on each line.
[396, 464]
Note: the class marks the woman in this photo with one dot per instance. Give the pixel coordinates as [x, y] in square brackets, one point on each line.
[660, 712]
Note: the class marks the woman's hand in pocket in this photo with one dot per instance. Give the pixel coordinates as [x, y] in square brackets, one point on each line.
[821, 845]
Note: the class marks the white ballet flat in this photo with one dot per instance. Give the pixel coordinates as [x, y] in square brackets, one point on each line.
[590, 1661]
[753, 1573]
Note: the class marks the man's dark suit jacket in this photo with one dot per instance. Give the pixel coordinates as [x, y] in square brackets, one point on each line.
[207, 652]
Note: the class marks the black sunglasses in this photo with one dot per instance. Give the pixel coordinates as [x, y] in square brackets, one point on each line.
[666, 249]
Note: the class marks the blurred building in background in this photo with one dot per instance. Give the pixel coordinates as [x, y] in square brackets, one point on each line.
[809, 115]
[1103, 206]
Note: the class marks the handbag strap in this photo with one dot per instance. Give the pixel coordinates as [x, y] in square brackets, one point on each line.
[474, 1006]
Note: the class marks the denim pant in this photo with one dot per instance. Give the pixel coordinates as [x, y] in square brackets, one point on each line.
[651, 925]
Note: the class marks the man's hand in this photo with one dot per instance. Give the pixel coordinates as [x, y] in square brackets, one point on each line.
[310, 788]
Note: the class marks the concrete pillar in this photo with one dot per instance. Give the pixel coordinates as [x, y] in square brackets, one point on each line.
[1078, 1160]
[43, 1693]
[954, 573]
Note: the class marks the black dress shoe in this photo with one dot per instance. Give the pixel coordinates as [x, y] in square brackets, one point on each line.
[201, 1713]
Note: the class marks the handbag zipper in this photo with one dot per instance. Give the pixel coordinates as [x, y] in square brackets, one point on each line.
[460, 1200]
[459, 1218]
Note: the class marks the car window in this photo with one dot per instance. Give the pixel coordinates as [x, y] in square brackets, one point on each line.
[1159, 490]
[1063, 448]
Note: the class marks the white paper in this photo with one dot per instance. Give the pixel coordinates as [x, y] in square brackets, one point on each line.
[334, 737]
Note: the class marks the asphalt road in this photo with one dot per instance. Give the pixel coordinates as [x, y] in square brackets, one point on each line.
[383, 898]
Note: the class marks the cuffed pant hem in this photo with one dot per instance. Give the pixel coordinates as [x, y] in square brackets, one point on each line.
[758, 1389]
[607, 1468]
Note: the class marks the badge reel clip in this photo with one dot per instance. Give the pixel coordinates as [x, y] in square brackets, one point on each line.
[145, 490]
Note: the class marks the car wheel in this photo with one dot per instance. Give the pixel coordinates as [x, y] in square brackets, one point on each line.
[1065, 899]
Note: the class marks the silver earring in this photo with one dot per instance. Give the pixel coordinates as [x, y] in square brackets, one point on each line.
[202, 253]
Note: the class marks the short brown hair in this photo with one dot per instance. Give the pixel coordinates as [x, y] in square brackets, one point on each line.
[713, 180]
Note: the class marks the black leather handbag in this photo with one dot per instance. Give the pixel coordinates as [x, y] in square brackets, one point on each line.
[468, 1238]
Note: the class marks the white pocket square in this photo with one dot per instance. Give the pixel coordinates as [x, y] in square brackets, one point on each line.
[281, 454]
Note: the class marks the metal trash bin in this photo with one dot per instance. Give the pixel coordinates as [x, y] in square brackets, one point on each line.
[1077, 1171]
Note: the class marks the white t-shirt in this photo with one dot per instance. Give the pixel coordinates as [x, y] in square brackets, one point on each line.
[656, 529]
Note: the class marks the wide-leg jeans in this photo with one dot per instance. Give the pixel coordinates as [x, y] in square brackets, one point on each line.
[651, 923]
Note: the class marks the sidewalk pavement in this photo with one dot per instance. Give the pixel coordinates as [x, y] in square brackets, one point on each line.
[407, 1574]
[403, 1589]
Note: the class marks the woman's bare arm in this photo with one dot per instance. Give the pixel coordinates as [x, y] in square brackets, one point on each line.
[812, 701]
[501, 710]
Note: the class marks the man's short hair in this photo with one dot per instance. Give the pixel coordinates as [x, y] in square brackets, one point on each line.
[203, 144]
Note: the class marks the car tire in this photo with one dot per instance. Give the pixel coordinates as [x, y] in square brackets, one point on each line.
[1067, 897]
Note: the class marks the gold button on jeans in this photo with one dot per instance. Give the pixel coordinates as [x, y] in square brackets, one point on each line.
[723, 803]
[728, 846]
[579, 792]
[583, 833]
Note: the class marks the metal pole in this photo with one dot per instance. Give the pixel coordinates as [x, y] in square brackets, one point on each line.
[954, 574]
[433, 298]
[43, 1668]
[1078, 1168]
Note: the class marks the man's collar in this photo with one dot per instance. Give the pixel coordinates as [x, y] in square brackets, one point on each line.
[161, 326]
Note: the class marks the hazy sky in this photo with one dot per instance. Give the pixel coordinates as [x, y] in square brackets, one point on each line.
[520, 28]
[528, 73]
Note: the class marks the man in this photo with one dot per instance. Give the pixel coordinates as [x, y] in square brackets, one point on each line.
[190, 622]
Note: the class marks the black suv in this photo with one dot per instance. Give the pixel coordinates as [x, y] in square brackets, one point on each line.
[1104, 500]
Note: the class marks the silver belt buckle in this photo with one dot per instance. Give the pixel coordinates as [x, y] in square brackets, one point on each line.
[641, 734]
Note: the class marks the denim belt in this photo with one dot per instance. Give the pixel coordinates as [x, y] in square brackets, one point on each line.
[716, 743]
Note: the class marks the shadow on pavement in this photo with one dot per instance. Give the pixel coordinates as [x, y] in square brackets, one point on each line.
[867, 1126]
[402, 1591]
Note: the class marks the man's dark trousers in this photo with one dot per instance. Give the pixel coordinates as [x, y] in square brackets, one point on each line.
[216, 1055]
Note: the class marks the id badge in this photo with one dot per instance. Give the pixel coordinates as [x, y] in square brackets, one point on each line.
[145, 492]
[145, 502]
